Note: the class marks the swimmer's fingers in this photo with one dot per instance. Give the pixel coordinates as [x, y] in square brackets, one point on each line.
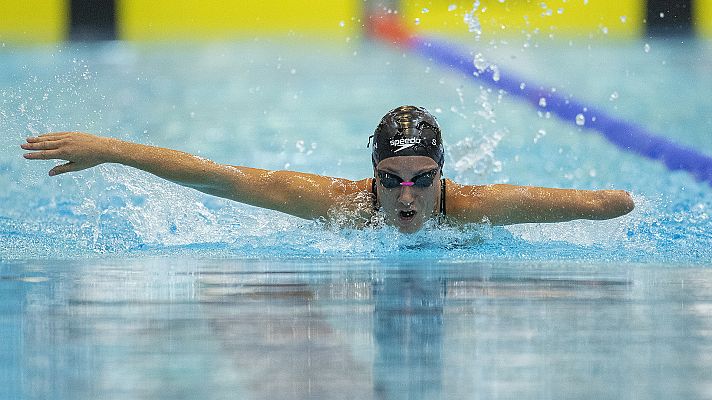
[64, 168]
[41, 145]
[48, 137]
[44, 155]
[44, 135]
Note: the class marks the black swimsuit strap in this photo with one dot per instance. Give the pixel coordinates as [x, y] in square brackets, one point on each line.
[442, 196]
[375, 194]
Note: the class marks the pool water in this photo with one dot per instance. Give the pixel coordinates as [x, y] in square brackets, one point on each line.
[116, 284]
[172, 328]
[311, 109]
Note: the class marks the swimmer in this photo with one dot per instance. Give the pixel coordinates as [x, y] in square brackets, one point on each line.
[407, 188]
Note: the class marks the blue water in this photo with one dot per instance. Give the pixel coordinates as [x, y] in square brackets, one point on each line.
[166, 329]
[116, 284]
[310, 109]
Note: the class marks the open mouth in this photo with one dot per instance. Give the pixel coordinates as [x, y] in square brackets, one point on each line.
[406, 215]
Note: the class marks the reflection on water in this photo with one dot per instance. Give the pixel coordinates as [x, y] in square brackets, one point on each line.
[263, 330]
[408, 329]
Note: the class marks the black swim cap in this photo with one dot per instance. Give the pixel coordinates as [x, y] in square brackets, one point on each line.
[408, 131]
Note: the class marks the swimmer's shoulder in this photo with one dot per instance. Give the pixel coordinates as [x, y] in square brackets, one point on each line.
[468, 203]
[342, 186]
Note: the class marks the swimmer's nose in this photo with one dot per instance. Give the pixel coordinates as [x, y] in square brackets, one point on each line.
[406, 196]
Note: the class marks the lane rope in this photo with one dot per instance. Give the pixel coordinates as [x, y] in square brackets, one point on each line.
[625, 135]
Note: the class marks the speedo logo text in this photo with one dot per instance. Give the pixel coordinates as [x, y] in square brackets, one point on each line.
[404, 143]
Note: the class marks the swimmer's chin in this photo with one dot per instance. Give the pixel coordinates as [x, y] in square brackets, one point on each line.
[408, 227]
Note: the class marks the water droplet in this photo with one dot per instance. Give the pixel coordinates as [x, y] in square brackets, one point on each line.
[560, 11]
[452, 7]
[623, 19]
[417, 21]
[604, 29]
[425, 11]
[342, 23]
[614, 96]
[580, 120]
[542, 102]
[522, 86]
[293, 71]
[479, 62]
[473, 24]
[300, 146]
[495, 73]
[662, 15]
[646, 48]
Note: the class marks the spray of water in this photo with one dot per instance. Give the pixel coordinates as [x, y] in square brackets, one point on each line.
[472, 22]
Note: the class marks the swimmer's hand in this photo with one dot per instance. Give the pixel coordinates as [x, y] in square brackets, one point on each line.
[81, 150]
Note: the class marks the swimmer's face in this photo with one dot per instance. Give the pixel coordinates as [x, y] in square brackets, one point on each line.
[408, 206]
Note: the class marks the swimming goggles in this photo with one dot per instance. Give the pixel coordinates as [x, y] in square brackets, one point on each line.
[390, 181]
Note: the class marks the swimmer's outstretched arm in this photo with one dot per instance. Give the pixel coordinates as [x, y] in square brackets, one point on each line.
[303, 195]
[509, 204]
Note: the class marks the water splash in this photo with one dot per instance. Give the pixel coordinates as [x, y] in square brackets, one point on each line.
[580, 120]
[476, 157]
[472, 22]
[480, 63]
